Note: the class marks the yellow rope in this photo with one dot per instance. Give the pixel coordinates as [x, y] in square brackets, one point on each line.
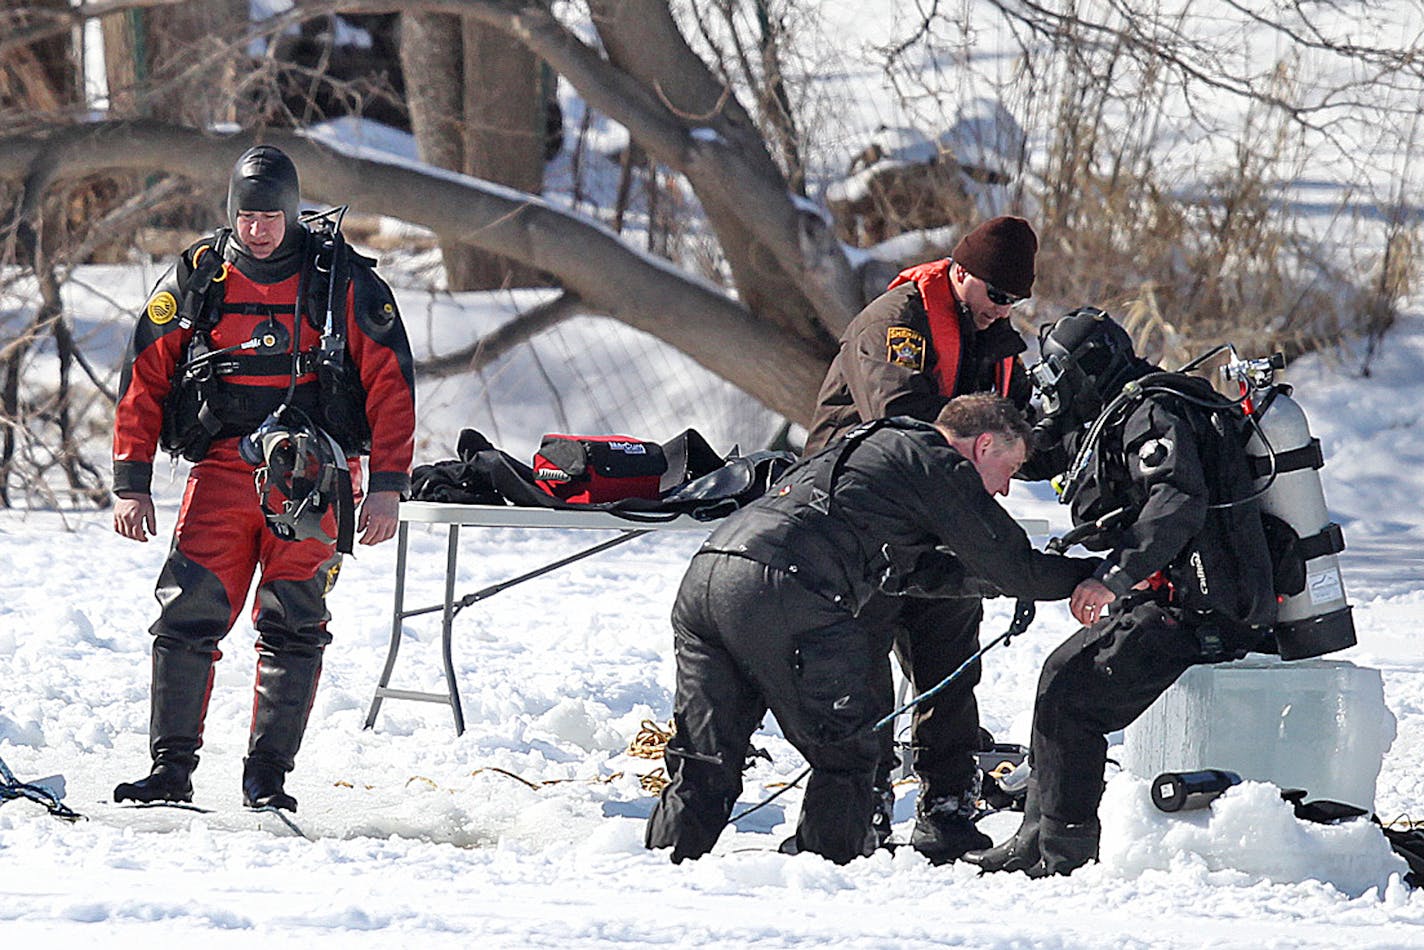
[1002, 769]
[604, 780]
[536, 786]
[649, 743]
[651, 740]
[655, 781]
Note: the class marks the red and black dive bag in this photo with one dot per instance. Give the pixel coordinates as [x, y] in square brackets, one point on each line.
[589, 469]
[698, 482]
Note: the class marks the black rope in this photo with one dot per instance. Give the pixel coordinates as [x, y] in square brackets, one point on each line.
[12, 789]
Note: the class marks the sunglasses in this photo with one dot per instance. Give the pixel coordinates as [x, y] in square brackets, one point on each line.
[1001, 298]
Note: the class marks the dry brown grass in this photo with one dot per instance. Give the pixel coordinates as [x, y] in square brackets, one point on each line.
[1231, 265]
[1211, 257]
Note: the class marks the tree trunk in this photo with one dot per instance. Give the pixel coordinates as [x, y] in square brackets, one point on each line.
[432, 61]
[148, 55]
[39, 78]
[476, 107]
[193, 32]
[10, 362]
[145, 51]
[504, 134]
[125, 60]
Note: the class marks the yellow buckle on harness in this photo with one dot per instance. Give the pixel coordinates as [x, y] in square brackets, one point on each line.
[221, 275]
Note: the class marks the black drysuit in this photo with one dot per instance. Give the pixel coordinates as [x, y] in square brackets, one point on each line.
[1169, 462]
[769, 617]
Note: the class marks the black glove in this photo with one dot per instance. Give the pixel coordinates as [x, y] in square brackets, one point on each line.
[929, 574]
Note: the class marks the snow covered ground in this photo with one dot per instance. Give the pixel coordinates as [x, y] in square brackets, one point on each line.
[526, 830]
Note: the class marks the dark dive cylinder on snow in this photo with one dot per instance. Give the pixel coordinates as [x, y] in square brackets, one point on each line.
[1186, 791]
[1313, 617]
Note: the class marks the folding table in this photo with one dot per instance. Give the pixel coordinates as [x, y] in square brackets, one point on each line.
[496, 516]
[491, 516]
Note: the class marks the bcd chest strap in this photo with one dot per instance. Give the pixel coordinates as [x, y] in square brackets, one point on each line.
[264, 364]
[209, 271]
[192, 419]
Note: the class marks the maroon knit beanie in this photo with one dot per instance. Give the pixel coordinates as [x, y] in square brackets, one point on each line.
[1000, 251]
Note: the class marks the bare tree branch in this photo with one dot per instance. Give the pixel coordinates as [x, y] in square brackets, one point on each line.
[782, 370]
[512, 334]
[56, 21]
[781, 252]
[126, 216]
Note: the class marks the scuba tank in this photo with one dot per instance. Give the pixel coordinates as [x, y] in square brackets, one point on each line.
[1313, 617]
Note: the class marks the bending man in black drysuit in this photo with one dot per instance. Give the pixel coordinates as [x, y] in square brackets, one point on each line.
[941, 330]
[768, 615]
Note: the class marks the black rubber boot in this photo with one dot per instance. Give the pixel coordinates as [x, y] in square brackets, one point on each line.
[1064, 847]
[1019, 852]
[944, 826]
[166, 783]
[262, 787]
[285, 689]
[836, 815]
[182, 682]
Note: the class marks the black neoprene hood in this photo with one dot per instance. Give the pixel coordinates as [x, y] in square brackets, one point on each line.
[264, 179]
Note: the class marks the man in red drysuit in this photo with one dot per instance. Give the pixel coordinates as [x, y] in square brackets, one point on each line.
[227, 370]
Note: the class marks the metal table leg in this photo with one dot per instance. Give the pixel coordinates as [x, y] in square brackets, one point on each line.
[402, 539]
[447, 619]
[451, 696]
[449, 608]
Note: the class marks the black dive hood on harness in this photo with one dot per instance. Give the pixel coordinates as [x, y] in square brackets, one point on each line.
[301, 473]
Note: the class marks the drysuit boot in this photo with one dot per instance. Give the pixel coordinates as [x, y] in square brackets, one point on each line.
[166, 783]
[944, 826]
[262, 787]
[1019, 852]
[286, 687]
[836, 815]
[1065, 847]
[884, 817]
[182, 683]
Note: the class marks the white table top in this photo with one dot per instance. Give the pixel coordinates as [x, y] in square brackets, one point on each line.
[509, 516]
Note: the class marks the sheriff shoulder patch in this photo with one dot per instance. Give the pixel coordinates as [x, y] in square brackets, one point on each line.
[905, 348]
[162, 308]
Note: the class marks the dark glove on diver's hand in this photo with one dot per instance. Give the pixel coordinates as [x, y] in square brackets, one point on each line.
[929, 574]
